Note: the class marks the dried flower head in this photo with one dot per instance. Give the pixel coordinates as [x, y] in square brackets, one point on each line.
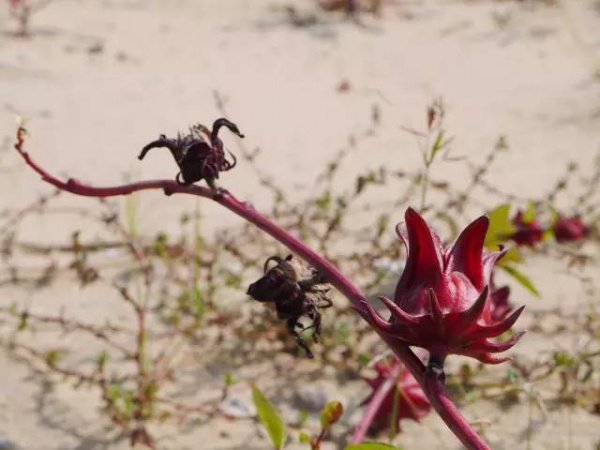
[200, 154]
[295, 291]
[443, 301]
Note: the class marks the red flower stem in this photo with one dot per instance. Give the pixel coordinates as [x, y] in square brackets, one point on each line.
[434, 388]
[380, 394]
[435, 391]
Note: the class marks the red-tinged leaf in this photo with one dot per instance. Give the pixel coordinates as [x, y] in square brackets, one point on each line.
[331, 413]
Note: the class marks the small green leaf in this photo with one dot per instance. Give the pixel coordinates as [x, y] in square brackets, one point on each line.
[500, 226]
[370, 445]
[529, 213]
[331, 413]
[53, 356]
[563, 359]
[101, 359]
[23, 321]
[437, 146]
[197, 302]
[304, 438]
[269, 417]
[513, 376]
[521, 278]
[229, 379]
[303, 417]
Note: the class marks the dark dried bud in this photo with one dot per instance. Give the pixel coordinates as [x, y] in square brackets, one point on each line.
[200, 154]
[295, 291]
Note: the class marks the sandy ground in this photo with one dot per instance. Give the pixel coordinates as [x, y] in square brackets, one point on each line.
[99, 79]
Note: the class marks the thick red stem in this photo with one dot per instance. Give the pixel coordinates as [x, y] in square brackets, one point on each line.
[434, 388]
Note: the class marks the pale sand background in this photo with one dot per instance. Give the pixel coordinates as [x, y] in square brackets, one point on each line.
[525, 70]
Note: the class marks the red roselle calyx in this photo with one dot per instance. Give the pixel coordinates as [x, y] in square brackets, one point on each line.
[411, 400]
[528, 232]
[443, 301]
[567, 229]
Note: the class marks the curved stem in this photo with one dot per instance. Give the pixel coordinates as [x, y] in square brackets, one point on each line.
[437, 395]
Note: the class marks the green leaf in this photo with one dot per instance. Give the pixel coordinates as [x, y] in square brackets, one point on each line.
[370, 445]
[521, 278]
[304, 438]
[513, 376]
[269, 417]
[331, 413]
[23, 321]
[437, 146]
[563, 359]
[101, 359]
[303, 417]
[529, 213]
[500, 226]
[229, 379]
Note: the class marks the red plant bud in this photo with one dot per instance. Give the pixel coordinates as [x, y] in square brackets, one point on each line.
[411, 400]
[528, 233]
[443, 301]
[568, 229]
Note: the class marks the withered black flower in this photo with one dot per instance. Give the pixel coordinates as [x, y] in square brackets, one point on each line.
[200, 154]
[296, 291]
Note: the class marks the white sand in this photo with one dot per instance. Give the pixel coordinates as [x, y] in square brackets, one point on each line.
[525, 70]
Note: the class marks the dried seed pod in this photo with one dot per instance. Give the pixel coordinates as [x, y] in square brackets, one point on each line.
[295, 291]
[200, 154]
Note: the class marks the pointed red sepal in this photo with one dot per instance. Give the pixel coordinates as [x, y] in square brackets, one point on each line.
[424, 261]
[398, 312]
[497, 329]
[467, 252]
[376, 318]
[434, 308]
[488, 346]
[488, 261]
[470, 316]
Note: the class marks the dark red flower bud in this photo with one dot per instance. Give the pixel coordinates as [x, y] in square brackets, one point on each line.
[528, 233]
[443, 301]
[568, 229]
[411, 401]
